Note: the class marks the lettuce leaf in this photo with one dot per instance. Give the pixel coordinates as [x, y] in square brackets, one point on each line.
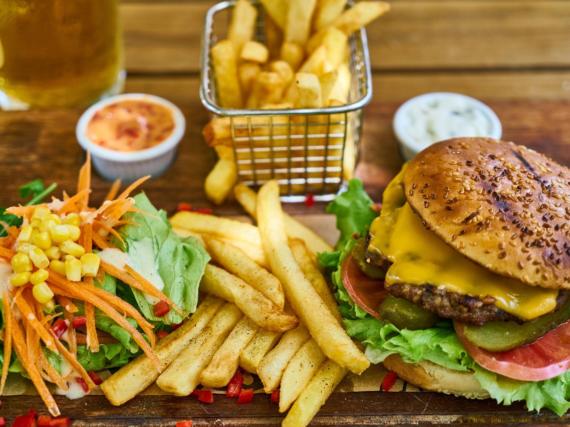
[159, 253]
[109, 356]
[438, 344]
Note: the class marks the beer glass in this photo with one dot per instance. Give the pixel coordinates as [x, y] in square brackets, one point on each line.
[59, 53]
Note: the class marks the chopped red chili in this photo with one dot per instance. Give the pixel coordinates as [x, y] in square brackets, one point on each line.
[95, 378]
[184, 207]
[59, 327]
[205, 211]
[78, 322]
[275, 396]
[186, 423]
[83, 384]
[44, 421]
[245, 396]
[28, 420]
[234, 386]
[389, 381]
[60, 422]
[2, 422]
[161, 334]
[309, 200]
[205, 396]
[161, 308]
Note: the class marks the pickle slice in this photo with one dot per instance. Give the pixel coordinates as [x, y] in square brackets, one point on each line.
[405, 314]
[502, 336]
[359, 255]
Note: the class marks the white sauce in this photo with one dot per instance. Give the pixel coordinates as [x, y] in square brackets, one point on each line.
[443, 118]
[140, 262]
[74, 391]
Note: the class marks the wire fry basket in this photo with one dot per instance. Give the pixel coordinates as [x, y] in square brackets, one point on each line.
[308, 151]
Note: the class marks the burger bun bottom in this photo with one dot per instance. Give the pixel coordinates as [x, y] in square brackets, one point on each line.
[432, 377]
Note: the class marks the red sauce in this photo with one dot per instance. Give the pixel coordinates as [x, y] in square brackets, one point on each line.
[130, 125]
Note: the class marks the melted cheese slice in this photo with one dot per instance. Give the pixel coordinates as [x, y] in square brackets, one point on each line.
[420, 257]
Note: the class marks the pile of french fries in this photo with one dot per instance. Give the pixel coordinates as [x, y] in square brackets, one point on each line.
[304, 63]
[265, 308]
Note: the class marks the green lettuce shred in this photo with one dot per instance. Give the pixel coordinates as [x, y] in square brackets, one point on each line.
[438, 344]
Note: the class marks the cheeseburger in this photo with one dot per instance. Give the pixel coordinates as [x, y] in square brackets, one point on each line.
[460, 282]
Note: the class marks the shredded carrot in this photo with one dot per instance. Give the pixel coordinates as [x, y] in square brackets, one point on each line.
[92, 338]
[70, 289]
[23, 211]
[68, 305]
[101, 242]
[70, 205]
[30, 317]
[52, 373]
[74, 363]
[84, 183]
[111, 231]
[6, 253]
[71, 333]
[133, 187]
[114, 190]
[149, 288]
[117, 208]
[7, 339]
[31, 369]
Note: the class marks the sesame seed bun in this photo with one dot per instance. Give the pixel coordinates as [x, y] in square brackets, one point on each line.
[502, 205]
[430, 376]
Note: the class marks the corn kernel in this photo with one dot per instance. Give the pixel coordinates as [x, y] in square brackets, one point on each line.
[57, 266]
[72, 219]
[24, 248]
[38, 257]
[41, 239]
[49, 307]
[90, 264]
[39, 276]
[42, 293]
[55, 218]
[21, 263]
[20, 279]
[59, 233]
[36, 222]
[47, 223]
[72, 248]
[53, 253]
[25, 233]
[74, 232]
[41, 212]
[73, 269]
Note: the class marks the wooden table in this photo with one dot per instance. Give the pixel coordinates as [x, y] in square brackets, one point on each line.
[512, 54]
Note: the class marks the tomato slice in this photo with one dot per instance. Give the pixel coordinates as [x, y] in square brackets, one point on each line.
[547, 357]
[366, 293]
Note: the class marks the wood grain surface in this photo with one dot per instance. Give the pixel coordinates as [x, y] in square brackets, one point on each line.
[512, 54]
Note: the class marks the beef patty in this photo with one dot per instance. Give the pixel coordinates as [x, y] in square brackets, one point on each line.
[453, 305]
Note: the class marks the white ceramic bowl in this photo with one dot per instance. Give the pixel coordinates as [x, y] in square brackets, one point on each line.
[410, 146]
[129, 166]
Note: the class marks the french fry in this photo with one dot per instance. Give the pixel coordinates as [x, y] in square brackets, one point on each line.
[248, 200]
[224, 228]
[314, 395]
[284, 70]
[255, 52]
[336, 86]
[224, 61]
[301, 368]
[183, 375]
[248, 72]
[225, 361]
[255, 252]
[267, 88]
[304, 300]
[293, 54]
[253, 303]
[308, 90]
[349, 158]
[277, 10]
[335, 43]
[308, 265]
[327, 12]
[298, 25]
[242, 24]
[136, 376]
[270, 369]
[238, 263]
[253, 354]
[316, 63]
[220, 181]
[351, 20]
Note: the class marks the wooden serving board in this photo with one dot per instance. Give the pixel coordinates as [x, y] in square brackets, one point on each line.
[42, 145]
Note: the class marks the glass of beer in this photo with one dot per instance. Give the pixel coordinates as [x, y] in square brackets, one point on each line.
[59, 53]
